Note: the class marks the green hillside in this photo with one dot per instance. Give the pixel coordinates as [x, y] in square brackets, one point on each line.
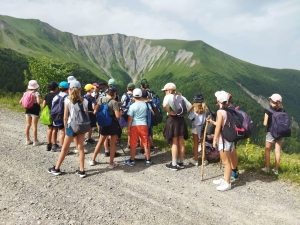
[205, 69]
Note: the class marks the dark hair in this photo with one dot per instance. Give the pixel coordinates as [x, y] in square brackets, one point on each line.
[111, 91]
[63, 89]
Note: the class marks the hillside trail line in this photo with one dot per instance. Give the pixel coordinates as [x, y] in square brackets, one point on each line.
[128, 195]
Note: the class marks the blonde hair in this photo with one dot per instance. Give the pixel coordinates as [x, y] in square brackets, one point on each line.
[276, 105]
[75, 95]
[200, 108]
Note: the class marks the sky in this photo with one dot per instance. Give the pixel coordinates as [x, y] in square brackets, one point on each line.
[262, 32]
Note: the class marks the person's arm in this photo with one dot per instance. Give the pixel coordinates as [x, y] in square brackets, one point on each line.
[129, 122]
[117, 113]
[168, 110]
[38, 99]
[266, 119]
[66, 114]
[44, 104]
[218, 127]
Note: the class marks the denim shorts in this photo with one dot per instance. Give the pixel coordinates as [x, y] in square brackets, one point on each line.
[69, 131]
[269, 138]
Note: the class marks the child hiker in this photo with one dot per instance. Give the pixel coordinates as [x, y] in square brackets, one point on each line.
[198, 118]
[91, 106]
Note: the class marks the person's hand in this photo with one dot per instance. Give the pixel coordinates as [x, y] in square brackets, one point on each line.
[128, 132]
[171, 113]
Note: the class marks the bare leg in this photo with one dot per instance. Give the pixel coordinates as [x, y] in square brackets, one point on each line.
[181, 147]
[225, 156]
[174, 148]
[234, 159]
[98, 146]
[62, 134]
[196, 143]
[80, 140]
[49, 134]
[277, 154]
[54, 135]
[64, 151]
[267, 154]
[35, 121]
[113, 143]
[27, 128]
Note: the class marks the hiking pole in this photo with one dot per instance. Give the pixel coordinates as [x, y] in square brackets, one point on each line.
[203, 149]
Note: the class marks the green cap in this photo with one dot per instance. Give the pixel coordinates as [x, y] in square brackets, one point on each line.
[131, 86]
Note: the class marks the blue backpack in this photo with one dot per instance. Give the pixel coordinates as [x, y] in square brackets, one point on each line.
[57, 109]
[103, 117]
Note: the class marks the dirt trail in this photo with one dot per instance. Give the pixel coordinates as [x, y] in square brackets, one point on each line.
[128, 195]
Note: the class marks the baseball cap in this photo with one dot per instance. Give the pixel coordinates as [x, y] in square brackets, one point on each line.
[144, 81]
[137, 93]
[75, 84]
[111, 81]
[169, 86]
[95, 84]
[71, 78]
[52, 85]
[198, 98]
[89, 87]
[144, 93]
[131, 86]
[64, 84]
[276, 98]
[102, 85]
[222, 96]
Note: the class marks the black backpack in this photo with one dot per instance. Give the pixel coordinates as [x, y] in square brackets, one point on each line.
[157, 117]
[233, 129]
[89, 98]
[210, 127]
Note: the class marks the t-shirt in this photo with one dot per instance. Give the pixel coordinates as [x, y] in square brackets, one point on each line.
[71, 107]
[138, 111]
[168, 100]
[270, 116]
[197, 119]
[112, 105]
[49, 98]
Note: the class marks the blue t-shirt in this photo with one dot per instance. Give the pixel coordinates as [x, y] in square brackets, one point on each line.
[138, 111]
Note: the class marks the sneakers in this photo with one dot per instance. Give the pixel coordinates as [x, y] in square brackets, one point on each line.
[180, 165]
[194, 162]
[112, 166]
[92, 162]
[140, 156]
[205, 162]
[36, 143]
[49, 146]
[54, 171]
[148, 162]
[56, 148]
[234, 176]
[89, 140]
[219, 181]
[224, 186]
[28, 142]
[266, 170]
[80, 173]
[129, 162]
[275, 171]
[171, 167]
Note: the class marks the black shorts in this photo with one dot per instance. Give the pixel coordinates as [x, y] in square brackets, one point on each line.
[113, 129]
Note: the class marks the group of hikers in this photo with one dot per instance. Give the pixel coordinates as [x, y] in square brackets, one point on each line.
[138, 110]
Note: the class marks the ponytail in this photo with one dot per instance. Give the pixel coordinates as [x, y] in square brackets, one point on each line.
[75, 95]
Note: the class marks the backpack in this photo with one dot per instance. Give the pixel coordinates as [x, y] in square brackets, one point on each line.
[27, 100]
[180, 106]
[128, 101]
[103, 117]
[57, 109]
[211, 154]
[210, 127]
[80, 121]
[157, 117]
[247, 123]
[89, 98]
[281, 126]
[149, 118]
[233, 129]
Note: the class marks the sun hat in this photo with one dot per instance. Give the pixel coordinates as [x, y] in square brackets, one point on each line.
[111, 81]
[137, 93]
[52, 85]
[32, 84]
[198, 98]
[95, 84]
[169, 86]
[71, 78]
[222, 96]
[75, 84]
[276, 98]
[89, 87]
[131, 86]
[144, 93]
[64, 84]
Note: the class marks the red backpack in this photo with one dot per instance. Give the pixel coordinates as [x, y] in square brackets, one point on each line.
[28, 100]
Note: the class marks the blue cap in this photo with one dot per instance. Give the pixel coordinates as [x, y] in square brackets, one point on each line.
[64, 84]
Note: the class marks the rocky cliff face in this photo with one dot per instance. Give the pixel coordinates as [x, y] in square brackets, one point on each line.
[134, 55]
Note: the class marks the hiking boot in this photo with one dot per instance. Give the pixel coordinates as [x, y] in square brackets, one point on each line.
[112, 166]
[224, 186]
[180, 166]
[92, 162]
[219, 181]
[129, 162]
[54, 171]
[90, 141]
[171, 167]
[28, 142]
[275, 171]
[266, 170]
[234, 176]
[148, 162]
[194, 162]
[49, 147]
[80, 173]
[36, 143]
[56, 148]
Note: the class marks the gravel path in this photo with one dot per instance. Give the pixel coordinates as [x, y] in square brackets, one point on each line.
[128, 195]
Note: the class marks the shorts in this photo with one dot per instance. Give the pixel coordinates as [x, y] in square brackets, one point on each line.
[228, 146]
[32, 115]
[269, 138]
[93, 119]
[198, 130]
[69, 131]
[59, 125]
[137, 132]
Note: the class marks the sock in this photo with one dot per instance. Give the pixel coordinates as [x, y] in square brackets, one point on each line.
[174, 162]
[149, 159]
[106, 150]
